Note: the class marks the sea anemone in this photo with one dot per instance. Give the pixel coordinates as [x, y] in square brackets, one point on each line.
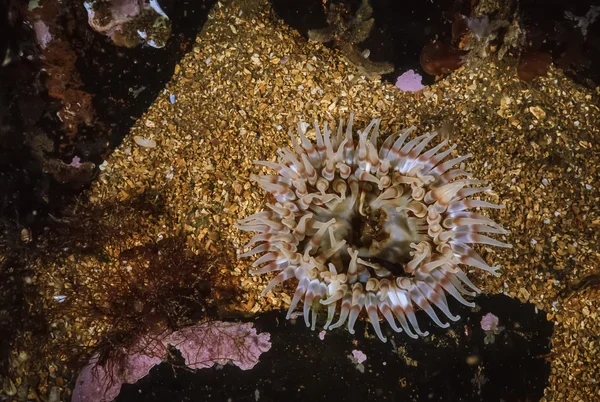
[360, 228]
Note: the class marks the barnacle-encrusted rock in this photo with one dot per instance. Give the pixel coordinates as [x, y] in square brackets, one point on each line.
[360, 227]
[128, 22]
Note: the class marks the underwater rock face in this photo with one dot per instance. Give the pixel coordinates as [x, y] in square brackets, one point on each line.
[439, 58]
[346, 31]
[128, 22]
[455, 366]
[533, 64]
[383, 229]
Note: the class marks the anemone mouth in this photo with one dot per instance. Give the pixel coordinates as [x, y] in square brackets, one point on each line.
[380, 241]
[364, 228]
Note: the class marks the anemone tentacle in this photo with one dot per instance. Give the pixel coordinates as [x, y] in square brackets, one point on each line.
[385, 230]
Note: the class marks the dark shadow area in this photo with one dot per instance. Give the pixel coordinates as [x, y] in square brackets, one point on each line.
[449, 365]
[112, 86]
[125, 82]
[17, 317]
[565, 31]
[403, 29]
[400, 32]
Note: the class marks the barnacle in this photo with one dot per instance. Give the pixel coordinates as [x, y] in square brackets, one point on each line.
[381, 229]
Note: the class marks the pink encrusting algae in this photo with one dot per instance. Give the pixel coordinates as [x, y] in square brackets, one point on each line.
[202, 346]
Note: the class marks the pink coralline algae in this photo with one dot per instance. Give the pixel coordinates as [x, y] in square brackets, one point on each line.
[489, 322]
[97, 383]
[42, 33]
[218, 342]
[409, 81]
[359, 356]
[202, 346]
[76, 162]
